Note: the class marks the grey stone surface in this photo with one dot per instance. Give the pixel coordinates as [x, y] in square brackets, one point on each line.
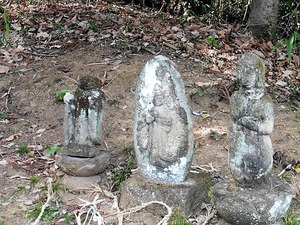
[163, 128]
[252, 206]
[83, 167]
[83, 118]
[251, 110]
[254, 197]
[81, 151]
[73, 183]
[84, 112]
[186, 197]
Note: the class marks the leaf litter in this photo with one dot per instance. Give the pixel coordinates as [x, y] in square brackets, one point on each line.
[53, 28]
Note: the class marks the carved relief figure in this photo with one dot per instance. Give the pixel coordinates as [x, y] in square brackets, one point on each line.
[251, 110]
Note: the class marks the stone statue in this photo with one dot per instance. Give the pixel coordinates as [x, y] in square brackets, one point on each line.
[85, 113]
[81, 155]
[251, 109]
[163, 131]
[164, 143]
[254, 197]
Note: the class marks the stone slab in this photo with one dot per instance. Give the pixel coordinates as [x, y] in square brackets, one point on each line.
[83, 151]
[186, 197]
[73, 183]
[264, 205]
[83, 167]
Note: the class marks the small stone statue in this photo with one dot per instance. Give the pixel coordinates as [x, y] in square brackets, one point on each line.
[251, 109]
[254, 197]
[84, 113]
[81, 155]
[163, 131]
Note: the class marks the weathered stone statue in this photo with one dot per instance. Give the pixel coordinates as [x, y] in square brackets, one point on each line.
[254, 197]
[251, 110]
[84, 113]
[163, 142]
[163, 128]
[81, 155]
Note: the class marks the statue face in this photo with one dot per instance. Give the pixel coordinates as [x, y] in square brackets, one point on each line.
[251, 70]
[248, 77]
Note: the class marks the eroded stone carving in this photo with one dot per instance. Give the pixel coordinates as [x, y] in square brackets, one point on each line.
[254, 197]
[163, 142]
[81, 155]
[84, 113]
[163, 130]
[251, 110]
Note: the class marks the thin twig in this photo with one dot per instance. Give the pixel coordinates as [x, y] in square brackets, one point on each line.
[247, 7]
[209, 215]
[41, 54]
[100, 63]
[49, 196]
[112, 80]
[7, 97]
[210, 167]
[148, 50]
[75, 81]
[106, 145]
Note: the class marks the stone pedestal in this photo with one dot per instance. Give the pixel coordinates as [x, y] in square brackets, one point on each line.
[83, 167]
[186, 197]
[265, 205]
[78, 184]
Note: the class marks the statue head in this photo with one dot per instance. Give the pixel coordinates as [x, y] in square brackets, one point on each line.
[251, 71]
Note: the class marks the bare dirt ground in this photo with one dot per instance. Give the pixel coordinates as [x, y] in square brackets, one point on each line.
[112, 42]
[36, 121]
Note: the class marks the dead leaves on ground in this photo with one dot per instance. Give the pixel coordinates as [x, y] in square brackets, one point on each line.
[48, 29]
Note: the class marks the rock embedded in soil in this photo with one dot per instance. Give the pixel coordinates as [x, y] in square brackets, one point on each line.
[252, 206]
[163, 127]
[186, 197]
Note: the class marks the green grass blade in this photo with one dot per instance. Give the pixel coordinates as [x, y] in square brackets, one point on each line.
[6, 23]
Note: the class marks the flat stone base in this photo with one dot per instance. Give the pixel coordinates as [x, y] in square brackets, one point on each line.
[83, 167]
[72, 183]
[186, 197]
[264, 205]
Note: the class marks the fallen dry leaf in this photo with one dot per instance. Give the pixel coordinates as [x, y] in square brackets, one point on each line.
[4, 69]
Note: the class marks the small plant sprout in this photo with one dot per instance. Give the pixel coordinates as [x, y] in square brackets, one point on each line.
[23, 149]
[54, 150]
[6, 23]
[291, 218]
[56, 187]
[212, 41]
[34, 180]
[178, 219]
[3, 115]
[123, 45]
[60, 94]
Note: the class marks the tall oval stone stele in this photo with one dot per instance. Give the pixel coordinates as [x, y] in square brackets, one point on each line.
[163, 128]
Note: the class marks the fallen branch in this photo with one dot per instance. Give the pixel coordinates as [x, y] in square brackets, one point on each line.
[206, 168]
